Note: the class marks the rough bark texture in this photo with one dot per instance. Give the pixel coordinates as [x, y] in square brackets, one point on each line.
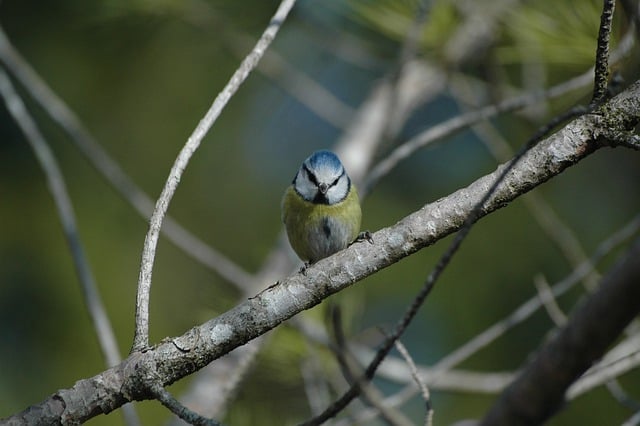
[178, 357]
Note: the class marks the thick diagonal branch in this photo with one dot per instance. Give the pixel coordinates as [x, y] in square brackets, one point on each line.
[539, 390]
[178, 357]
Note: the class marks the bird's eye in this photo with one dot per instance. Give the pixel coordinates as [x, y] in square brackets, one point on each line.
[311, 176]
[335, 182]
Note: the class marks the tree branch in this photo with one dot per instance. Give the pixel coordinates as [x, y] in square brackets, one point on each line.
[539, 390]
[178, 357]
[110, 170]
[60, 195]
[601, 77]
[441, 376]
[141, 336]
[189, 416]
[424, 390]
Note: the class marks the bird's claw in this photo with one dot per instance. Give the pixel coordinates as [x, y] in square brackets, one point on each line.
[364, 236]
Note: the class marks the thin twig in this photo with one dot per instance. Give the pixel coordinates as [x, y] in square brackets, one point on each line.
[633, 420]
[438, 373]
[394, 369]
[303, 88]
[544, 214]
[352, 371]
[601, 78]
[424, 390]
[57, 187]
[515, 103]
[300, 85]
[409, 84]
[540, 388]
[141, 337]
[549, 302]
[620, 395]
[210, 391]
[411, 43]
[180, 410]
[408, 52]
[619, 360]
[178, 357]
[525, 310]
[109, 169]
[315, 386]
[437, 271]
[355, 150]
[460, 122]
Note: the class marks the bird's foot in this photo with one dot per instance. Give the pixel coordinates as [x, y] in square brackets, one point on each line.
[364, 236]
[303, 268]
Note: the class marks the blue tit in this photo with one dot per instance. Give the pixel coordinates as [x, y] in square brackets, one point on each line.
[321, 209]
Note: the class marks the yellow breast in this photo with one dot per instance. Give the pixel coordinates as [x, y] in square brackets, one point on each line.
[316, 231]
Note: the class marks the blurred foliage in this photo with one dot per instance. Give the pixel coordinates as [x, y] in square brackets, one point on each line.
[557, 34]
[140, 74]
[393, 18]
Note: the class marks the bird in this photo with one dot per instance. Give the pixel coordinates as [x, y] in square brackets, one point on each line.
[321, 209]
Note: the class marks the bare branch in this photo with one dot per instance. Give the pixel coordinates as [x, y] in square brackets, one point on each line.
[424, 390]
[356, 150]
[217, 383]
[274, 66]
[619, 360]
[472, 216]
[440, 376]
[141, 337]
[55, 181]
[460, 380]
[58, 189]
[359, 144]
[539, 390]
[189, 416]
[456, 124]
[549, 301]
[109, 169]
[315, 386]
[601, 79]
[352, 371]
[476, 31]
[460, 122]
[544, 214]
[616, 390]
[400, 101]
[178, 357]
[525, 310]
[633, 420]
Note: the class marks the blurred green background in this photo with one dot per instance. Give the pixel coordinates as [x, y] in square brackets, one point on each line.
[140, 75]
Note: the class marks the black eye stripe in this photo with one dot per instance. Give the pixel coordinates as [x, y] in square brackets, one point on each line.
[334, 183]
[312, 177]
[314, 180]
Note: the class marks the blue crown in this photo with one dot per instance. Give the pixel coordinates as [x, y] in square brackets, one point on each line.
[324, 159]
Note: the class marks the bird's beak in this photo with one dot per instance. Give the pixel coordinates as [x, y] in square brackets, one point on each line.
[323, 187]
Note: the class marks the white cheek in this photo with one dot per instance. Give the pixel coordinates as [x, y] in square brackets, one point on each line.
[305, 188]
[338, 192]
